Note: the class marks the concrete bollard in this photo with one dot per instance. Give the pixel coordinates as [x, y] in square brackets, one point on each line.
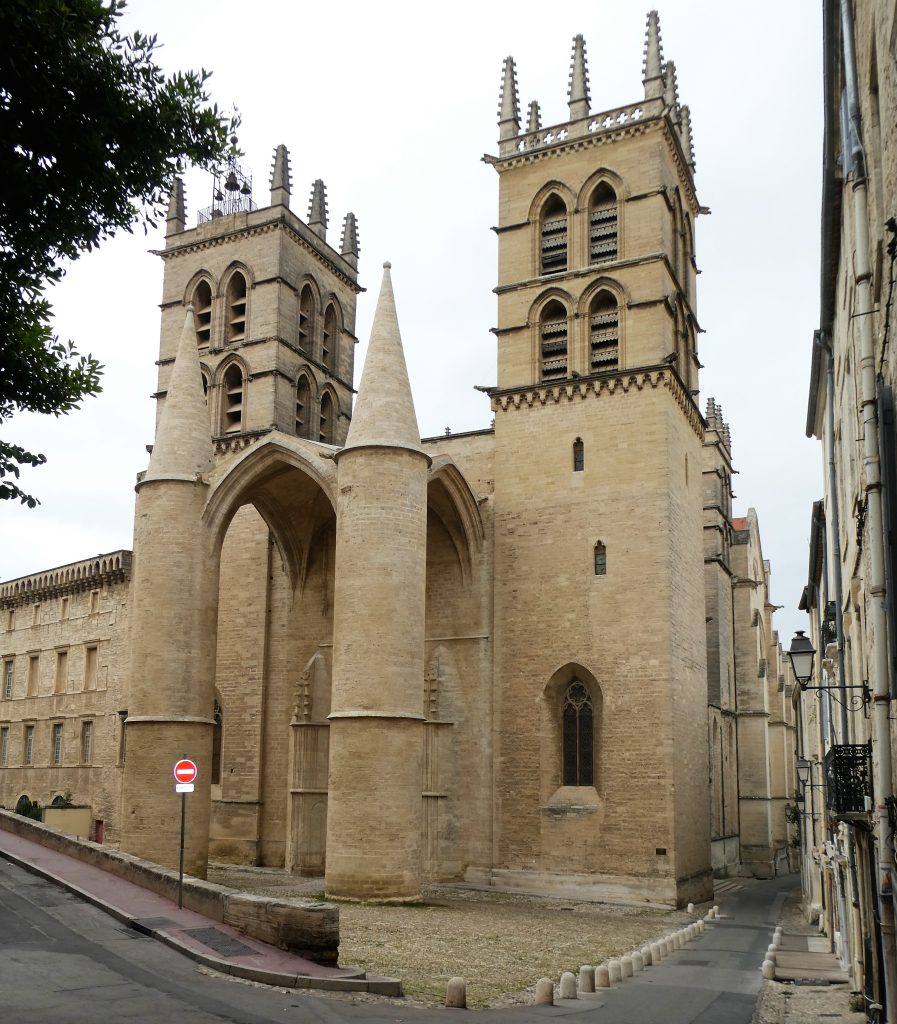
[586, 979]
[700, 926]
[568, 985]
[667, 947]
[456, 994]
[715, 910]
[692, 932]
[626, 966]
[690, 909]
[676, 940]
[775, 942]
[656, 952]
[647, 956]
[602, 977]
[614, 971]
[771, 953]
[778, 932]
[544, 994]
[768, 969]
[638, 961]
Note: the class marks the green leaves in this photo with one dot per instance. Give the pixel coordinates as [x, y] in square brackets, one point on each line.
[92, 134]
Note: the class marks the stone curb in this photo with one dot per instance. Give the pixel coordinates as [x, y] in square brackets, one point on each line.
[359, 983]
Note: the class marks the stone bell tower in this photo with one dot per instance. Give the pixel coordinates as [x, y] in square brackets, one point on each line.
[599, 633]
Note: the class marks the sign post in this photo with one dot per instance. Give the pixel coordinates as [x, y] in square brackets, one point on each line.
[184, 777]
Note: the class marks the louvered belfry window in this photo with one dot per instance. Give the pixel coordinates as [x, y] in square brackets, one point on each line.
[553, 236]
[578, 732]
[553, 341]
[604, 332]
[603, 225]
[232, 418]
[202, 310]
[236, 308]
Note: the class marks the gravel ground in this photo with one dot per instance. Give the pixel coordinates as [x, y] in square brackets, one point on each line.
[501, 943]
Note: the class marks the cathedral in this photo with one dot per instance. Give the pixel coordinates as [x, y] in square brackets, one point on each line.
[484, 657]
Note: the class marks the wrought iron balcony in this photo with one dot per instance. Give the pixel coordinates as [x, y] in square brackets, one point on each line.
[848, 776]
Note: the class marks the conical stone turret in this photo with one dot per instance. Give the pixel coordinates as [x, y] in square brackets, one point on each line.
[280, 177]
[376, 721]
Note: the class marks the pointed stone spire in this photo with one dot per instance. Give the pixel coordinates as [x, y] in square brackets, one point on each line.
[176, 218]
[653, 66]
[280, 177]
[349, 247]
[578, 90]
[183, 446]
[535, 117]
[508, 107]
[671, 90]
[685, 129]
[317, 209]
[384, 410]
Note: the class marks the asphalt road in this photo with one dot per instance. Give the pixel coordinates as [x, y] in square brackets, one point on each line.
[65, 962]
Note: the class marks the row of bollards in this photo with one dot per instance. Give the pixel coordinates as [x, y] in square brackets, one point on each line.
[592, 979]
[768, 967]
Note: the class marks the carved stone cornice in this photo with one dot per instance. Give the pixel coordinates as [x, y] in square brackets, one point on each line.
[88, 574]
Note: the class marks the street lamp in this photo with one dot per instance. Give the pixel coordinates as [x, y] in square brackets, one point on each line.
[801, 654]
[803, 771]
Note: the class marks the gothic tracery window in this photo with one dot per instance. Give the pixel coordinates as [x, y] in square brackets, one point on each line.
[578, 716]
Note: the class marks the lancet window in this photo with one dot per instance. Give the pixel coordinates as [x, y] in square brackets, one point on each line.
[236, 308]
[306, 319]
[327, 419]
[553, 341]
[579, 725]
[600, 559]
[579, 456]
[329, 339]
[553, 235]
[604, 332]
[603, 244]
[303, 395]
[202, 312]
[232, 400]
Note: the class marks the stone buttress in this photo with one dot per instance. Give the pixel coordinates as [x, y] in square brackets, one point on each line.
[376, 722]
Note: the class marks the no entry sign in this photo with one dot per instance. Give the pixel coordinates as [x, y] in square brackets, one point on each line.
[184, 771]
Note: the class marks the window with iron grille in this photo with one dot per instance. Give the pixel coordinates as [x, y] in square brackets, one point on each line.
[57, 743]
[553, 235]
[86, 741]
[578, 732]
[553, 341]
[604, 332]
[28, 757]
[4, 747]
[603, 224]
[8, 667]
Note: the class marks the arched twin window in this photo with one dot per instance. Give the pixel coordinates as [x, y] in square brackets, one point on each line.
[578, 736]
[553, 235]
[235, 310]
[553, 340]
[603, 224]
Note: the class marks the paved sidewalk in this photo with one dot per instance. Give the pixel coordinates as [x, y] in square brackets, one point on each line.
[207, 941]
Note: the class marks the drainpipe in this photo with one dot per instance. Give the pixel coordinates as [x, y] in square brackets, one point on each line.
[877, 611]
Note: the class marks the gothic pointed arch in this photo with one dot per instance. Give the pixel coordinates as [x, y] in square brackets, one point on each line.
[200, 294]
[235, 286]
[305, 396]
[551, 317]
[231, 378]
[450, 497]
[309, 304]
[554, 234]
[601, 306]
[331, 333]
[571, 732]
[328, 416]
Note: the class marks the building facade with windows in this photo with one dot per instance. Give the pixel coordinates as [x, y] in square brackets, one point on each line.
[481, 656]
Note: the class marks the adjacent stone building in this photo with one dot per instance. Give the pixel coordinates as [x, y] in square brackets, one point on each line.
[481, 656]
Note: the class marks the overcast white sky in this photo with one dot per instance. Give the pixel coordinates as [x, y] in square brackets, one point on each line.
[393, 105]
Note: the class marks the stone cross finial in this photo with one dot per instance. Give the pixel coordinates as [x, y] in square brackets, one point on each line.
[176, 218]
[652, 76]
[508, 107]
[317, 209]
[280, 177]
[535, 117]
[578, 90]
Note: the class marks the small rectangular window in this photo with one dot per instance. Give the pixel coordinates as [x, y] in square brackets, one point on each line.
[57, 743]
[90, 668]
[123, 735]
[86, 741]
[64, 608]
[8, 669]
[28, 757]
[4, 747]
[10, 619]
[35, 615]
[94, 601]
[33, 674]
[600, 559]
[579, 456]
[62, 664]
